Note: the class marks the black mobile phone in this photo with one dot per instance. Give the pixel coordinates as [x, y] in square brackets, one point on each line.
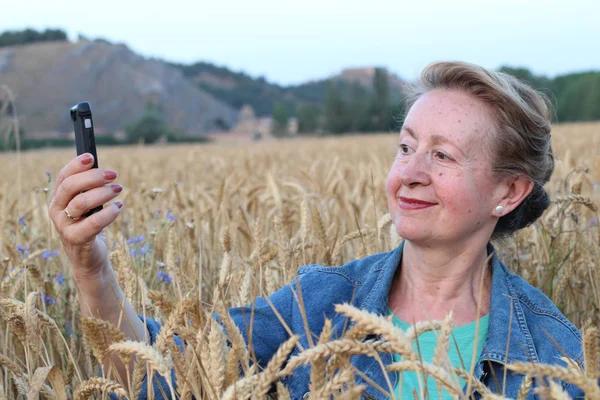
[85, 142]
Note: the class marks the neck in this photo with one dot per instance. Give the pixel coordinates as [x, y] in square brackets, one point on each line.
[431, 282]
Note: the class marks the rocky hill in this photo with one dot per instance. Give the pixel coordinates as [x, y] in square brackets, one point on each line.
[48, 78]
[238, 88]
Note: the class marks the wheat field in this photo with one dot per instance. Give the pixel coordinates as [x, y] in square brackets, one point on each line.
[207, 227]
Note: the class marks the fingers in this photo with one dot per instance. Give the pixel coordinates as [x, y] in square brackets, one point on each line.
[86, 229]
[75, 178]
[80, 163]
[83, 202]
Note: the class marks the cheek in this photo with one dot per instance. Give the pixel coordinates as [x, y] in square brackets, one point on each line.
[461, 195]
[392, 183]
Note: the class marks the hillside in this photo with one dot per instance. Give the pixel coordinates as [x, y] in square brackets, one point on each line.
[48, 78]
[239, 88]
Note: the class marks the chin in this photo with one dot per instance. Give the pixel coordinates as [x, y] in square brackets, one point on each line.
[409, 230]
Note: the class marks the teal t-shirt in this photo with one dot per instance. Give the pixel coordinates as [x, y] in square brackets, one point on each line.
[465, 339]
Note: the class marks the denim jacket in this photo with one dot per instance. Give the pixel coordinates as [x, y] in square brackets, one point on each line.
[519, 313]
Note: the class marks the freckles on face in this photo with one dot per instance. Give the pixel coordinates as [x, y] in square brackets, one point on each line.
[462, 186]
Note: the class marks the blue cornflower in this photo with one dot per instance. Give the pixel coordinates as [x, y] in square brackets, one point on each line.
[49, 300]
[132, 252]
[169, 216]
[144, 249]
[163, 276]
[60, 279]
[22, 220]
[594, 221]
[135, 239]
[23, 250]
[49, 254]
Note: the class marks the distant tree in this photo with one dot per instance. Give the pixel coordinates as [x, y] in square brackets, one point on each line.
[580, 99]
[8, 140]
[27, 36]
[280, 117]
[358, 108]
[336, 111]
[150, 127]
[381, 114]
[308, 118]
[524, 74]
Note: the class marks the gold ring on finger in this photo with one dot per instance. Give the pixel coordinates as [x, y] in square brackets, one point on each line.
[69, 215]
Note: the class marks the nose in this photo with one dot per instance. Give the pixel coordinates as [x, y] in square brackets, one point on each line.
[417, 171]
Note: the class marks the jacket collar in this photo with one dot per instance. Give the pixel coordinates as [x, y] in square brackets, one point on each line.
[506, 318]
[507, 322]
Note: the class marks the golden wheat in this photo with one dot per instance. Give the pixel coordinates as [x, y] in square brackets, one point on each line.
[224, 224]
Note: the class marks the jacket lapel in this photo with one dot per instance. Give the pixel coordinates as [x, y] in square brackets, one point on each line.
[373, 297]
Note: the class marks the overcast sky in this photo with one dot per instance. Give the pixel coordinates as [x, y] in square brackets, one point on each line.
[292, 42]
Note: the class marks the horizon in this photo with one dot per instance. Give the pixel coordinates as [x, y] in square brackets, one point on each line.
[290, 44]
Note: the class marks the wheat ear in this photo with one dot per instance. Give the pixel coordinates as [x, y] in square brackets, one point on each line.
[374, 323]
[591, 351]
[87, 388]
[317, 368]
[589, 386]
[270, 373]
[158, 362]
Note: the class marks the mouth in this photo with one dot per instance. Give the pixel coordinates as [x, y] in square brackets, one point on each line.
[408, 203]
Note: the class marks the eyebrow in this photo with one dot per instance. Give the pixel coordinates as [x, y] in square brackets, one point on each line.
[436, 139]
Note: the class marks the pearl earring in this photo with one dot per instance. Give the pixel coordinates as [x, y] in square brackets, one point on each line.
[499, 209]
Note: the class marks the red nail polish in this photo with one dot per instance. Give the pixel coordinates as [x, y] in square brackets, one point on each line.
[87, 159]
[119, 204]
[110, 175]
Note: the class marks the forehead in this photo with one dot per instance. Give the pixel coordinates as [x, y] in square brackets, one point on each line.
[457, 116]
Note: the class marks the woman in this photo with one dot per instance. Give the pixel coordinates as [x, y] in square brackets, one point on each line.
[473, 157]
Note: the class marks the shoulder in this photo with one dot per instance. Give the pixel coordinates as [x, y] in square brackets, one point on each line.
[355, 272]
[547, 325]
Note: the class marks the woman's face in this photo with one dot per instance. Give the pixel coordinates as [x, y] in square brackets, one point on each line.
[440, 187]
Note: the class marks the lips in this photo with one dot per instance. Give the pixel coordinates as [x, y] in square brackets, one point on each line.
[415, 201]
[408, 203]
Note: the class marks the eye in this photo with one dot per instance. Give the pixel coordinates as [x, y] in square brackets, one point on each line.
[404, 149]
[442, 156]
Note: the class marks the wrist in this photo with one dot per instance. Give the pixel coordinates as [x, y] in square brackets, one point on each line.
[93, 284]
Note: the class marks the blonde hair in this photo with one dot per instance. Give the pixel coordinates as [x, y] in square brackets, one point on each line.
[521, 124]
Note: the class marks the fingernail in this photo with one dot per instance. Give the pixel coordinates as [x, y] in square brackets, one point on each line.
[117, 188]
[87, 159]
[109, 175]
[119, 204]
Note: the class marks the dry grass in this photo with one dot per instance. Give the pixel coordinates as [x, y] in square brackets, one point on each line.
[225, 223]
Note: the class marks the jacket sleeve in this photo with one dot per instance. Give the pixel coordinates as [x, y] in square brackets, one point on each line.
[575, 392]
[257, 321]
[264, 329]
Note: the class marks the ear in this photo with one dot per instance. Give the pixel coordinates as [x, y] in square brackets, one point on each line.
[516, 189]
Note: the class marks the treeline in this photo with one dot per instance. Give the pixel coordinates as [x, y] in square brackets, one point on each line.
[337, 105]
[576, 97]
[27, 36]
[150, 128]
[346, 108]
[238, 89]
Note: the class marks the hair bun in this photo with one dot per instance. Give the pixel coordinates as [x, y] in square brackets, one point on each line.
[526, 213]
